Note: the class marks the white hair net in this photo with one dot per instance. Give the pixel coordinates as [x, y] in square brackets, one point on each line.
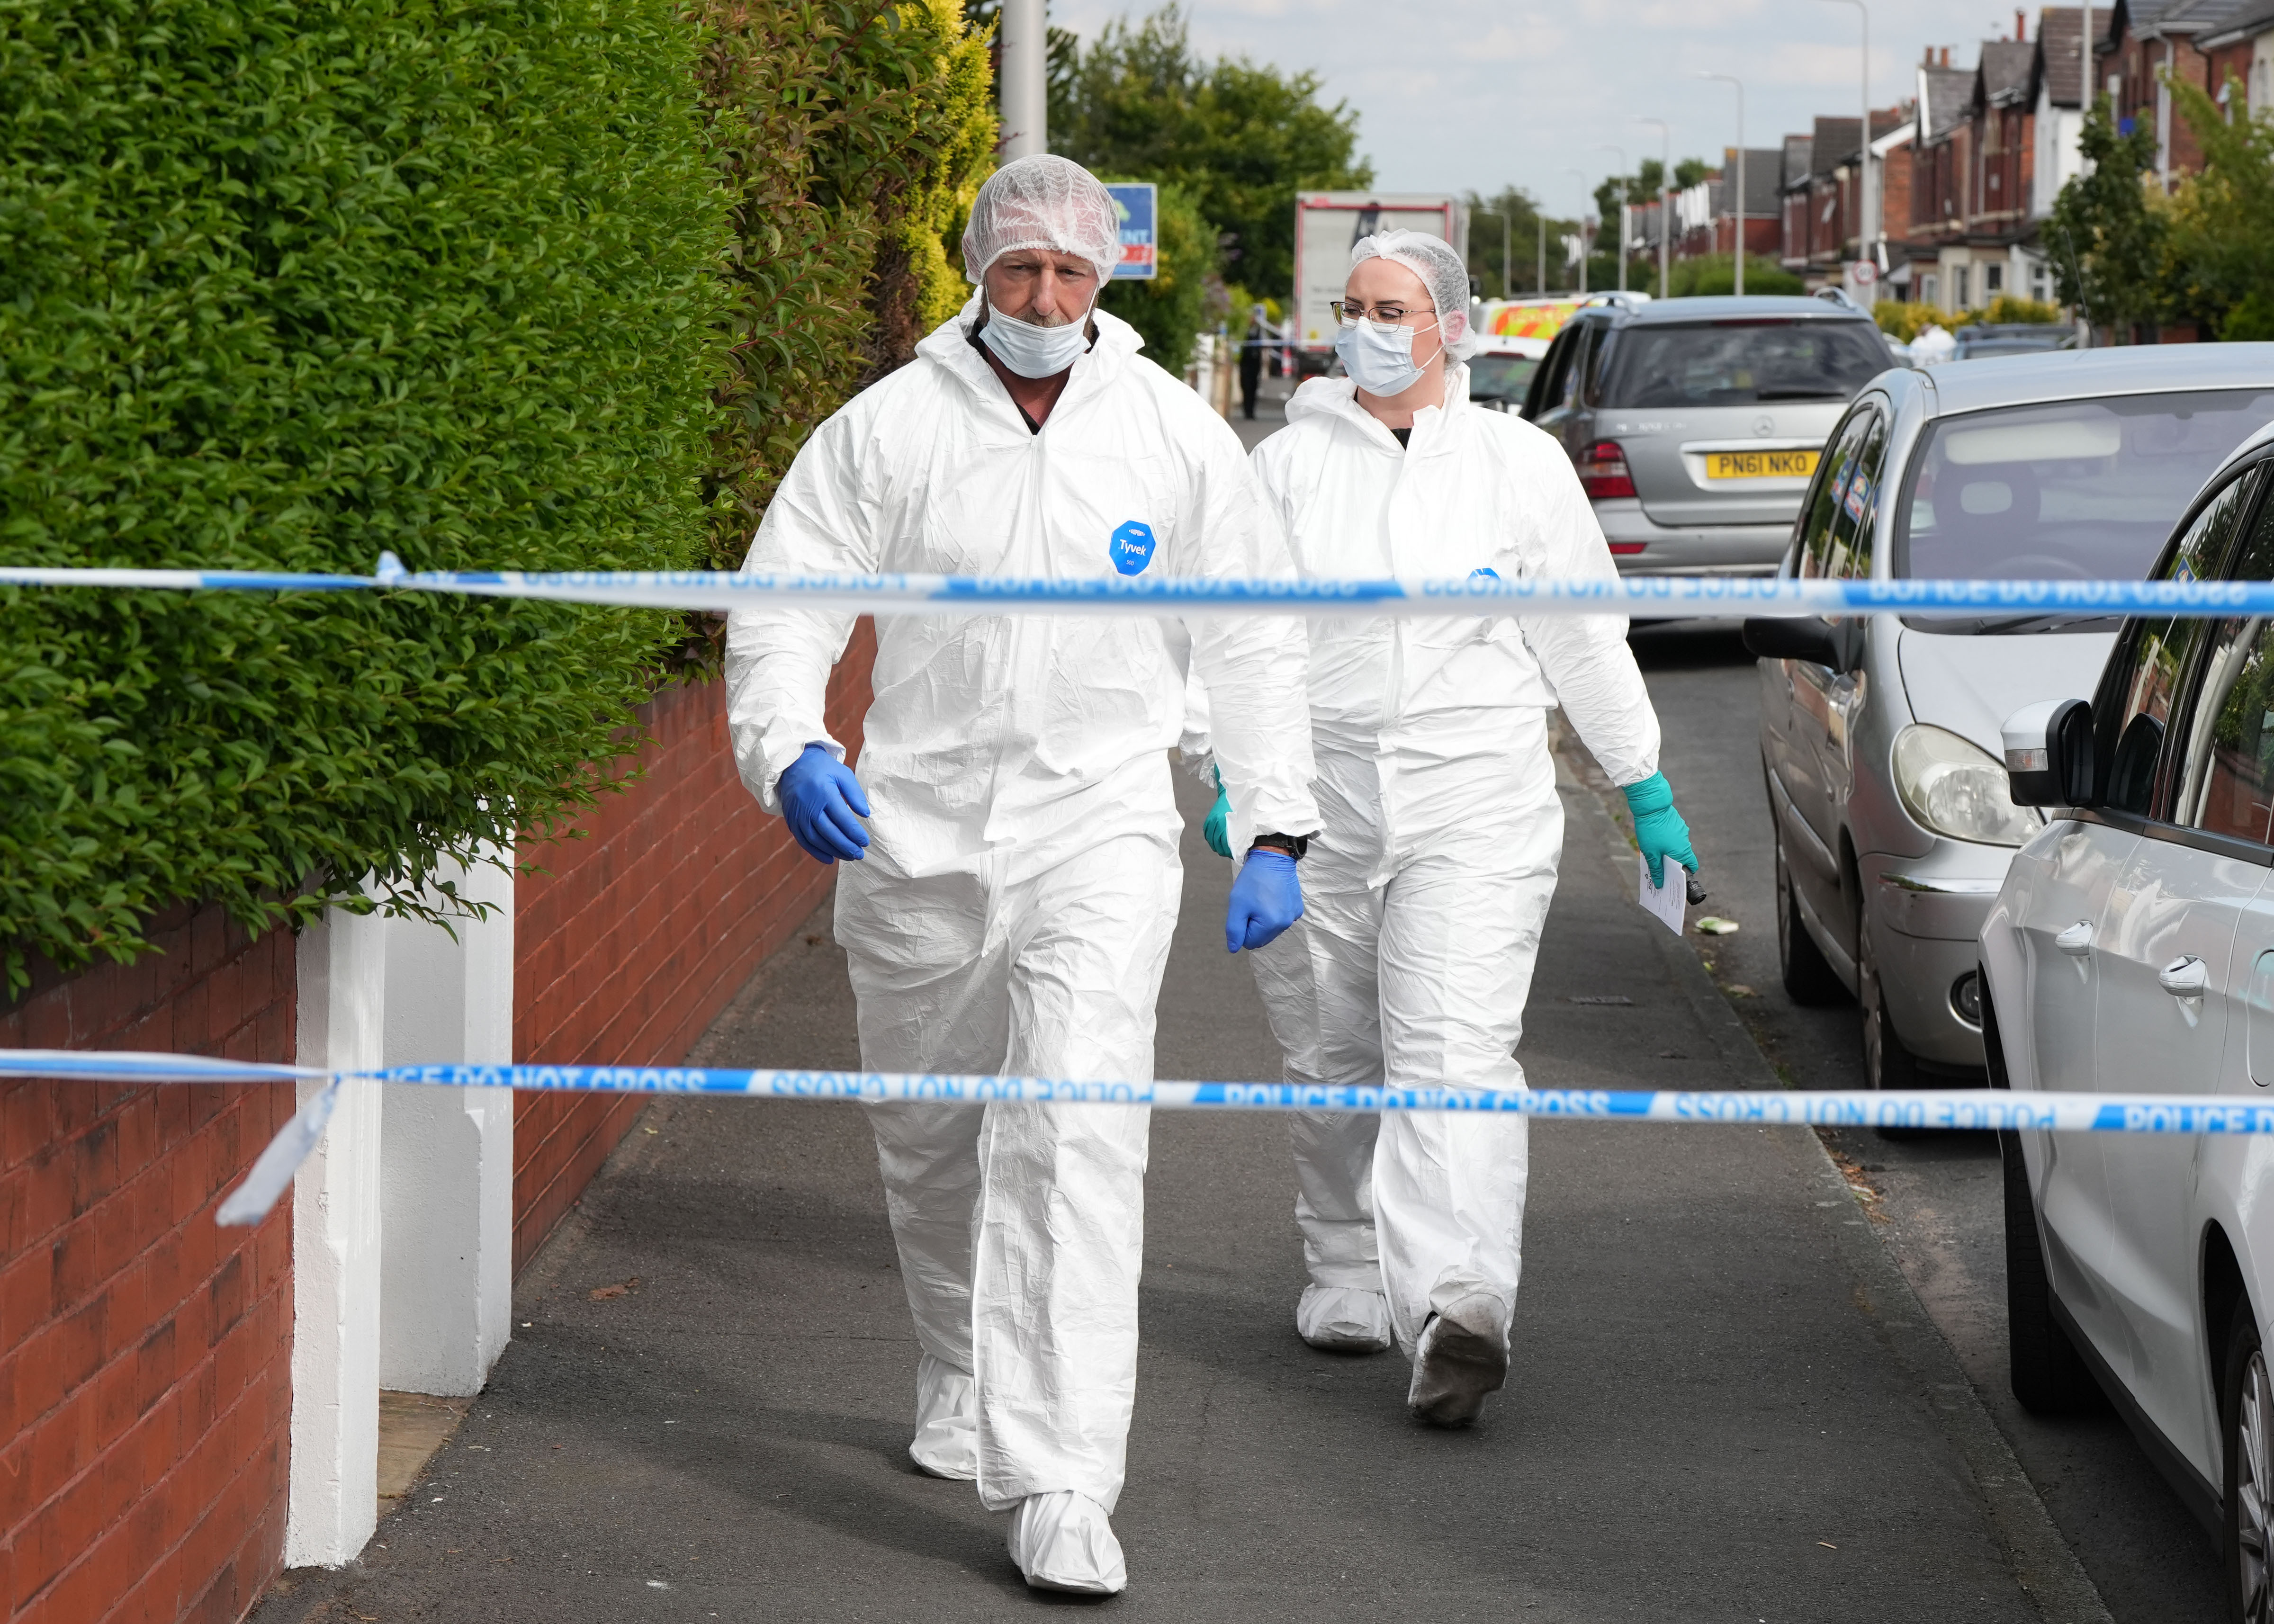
[1042, 201]
[1442, 271]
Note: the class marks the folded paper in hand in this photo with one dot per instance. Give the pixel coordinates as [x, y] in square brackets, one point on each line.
[1664, 902]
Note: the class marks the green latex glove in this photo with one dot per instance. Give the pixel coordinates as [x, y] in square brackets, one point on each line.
[1217, 829]
[1659, 828]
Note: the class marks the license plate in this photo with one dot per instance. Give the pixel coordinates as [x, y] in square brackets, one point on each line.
[1760, 465]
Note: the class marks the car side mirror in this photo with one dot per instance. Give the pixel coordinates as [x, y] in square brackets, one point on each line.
[2049, 754]
[1806, 637]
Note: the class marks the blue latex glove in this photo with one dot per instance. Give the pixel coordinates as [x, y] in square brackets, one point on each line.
[823, 805]
[1659, 828]
[1266, 898]
[1217, 830]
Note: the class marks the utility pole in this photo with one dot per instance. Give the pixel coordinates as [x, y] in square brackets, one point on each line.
[1539, 278]
[1665, 205]
[1622, 183]
[1025, 104]
[1586, 198]
[1864, 221]
[1738, 255]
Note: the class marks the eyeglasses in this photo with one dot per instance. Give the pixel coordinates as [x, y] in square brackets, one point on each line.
[1350, 313]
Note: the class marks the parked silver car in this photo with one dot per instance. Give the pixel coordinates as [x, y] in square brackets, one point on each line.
[2131, 950]
[1696, 423]
[1880, 735]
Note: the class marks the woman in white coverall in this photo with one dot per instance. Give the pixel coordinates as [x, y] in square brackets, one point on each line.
[1426, 888]
[1010, 906]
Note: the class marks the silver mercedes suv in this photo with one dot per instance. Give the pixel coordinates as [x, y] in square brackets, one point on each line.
[1697, 423]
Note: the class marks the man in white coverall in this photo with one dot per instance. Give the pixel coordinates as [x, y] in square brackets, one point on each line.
[1012, 913]
[1432, 874]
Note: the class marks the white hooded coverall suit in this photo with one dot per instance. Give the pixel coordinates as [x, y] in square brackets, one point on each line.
[1428, 885]
[1013, 912]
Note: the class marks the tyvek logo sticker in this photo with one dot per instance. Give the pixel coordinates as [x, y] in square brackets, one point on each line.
[1484, 574]
[1131, 547]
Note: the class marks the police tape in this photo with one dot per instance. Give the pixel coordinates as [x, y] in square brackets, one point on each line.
[1482, 593]
[1957, 1109]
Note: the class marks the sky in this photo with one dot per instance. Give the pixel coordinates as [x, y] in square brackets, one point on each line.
[1462, 94]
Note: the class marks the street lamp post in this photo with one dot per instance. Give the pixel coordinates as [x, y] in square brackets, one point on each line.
[1622, 183]
[1539, 283]
[1738, 255]
[1863, 219]
[1586, 197]
[1665, 205]
[1025, 90]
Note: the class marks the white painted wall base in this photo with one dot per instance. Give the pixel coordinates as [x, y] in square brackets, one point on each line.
[446, 1167]
[333, 1505]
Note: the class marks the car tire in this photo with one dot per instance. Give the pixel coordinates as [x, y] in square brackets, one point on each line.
[2049, 1376]
[1808, 978]
[2246, 1426]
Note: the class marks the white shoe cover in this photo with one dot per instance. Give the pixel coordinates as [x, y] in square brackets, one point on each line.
[1062, 1541]
[1460, 1359]
[1344, 1318]
[948, 1421]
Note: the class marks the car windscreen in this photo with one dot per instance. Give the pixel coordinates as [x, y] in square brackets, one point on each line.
[2077, 490]
[1501, 377]
[1737, 362]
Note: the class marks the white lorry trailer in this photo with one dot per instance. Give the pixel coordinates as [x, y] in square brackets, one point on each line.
[1327, 222]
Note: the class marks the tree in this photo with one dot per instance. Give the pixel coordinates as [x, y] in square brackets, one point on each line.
[1238, 139]
[2221, 244]
[2107, 238]
[1522, 238]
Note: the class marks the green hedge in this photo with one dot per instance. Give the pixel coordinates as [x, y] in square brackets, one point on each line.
[850, 139]
[283, 283]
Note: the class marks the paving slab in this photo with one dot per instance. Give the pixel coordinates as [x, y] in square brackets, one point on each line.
[1714, 1412]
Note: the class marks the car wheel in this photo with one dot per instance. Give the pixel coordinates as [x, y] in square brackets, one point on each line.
[1809, 977]
[2049, 1377]
[2247, 1413]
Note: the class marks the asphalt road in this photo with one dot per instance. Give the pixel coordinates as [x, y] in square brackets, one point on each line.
[1938, 1199]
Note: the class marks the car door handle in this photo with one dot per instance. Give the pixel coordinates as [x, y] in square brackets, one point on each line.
[2184, 978]
[2076, 939]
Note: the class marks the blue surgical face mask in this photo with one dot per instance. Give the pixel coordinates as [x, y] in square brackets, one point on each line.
[1034, 351]
[1378, 358]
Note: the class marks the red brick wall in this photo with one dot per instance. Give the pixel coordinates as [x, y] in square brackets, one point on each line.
[146, 1353]
[640, 934]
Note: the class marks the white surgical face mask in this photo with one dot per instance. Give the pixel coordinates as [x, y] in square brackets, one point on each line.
[1378, 358]
[1034, 351]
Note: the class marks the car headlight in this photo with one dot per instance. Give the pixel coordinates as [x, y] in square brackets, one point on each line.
[1958, 789]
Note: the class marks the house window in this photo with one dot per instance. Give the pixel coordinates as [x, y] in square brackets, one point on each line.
[1931, 289]
[2040, 282]
[1993, 278]
[1960, 292]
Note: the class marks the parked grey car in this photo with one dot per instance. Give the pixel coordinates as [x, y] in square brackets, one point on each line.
[1880, 735]
[1696, 423]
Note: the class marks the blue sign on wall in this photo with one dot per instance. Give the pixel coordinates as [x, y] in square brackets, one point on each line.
[1138, 205]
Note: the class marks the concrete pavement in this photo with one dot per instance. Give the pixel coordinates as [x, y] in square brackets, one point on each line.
[1724, 1404]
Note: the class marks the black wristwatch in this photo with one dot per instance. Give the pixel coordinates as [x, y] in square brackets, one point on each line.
[1294, 846]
